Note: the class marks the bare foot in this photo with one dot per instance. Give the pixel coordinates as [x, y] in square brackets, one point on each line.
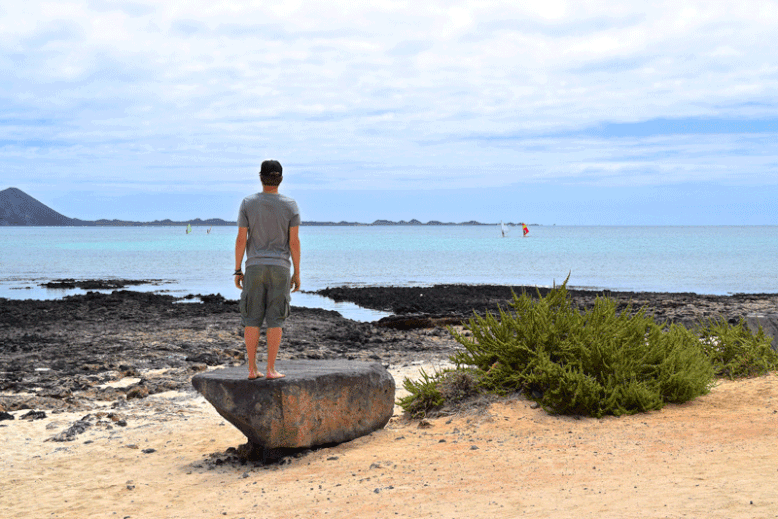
[271, 374]
[255, 375]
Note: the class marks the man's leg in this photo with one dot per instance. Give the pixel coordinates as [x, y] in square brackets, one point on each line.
[251, 336]
[273, 343]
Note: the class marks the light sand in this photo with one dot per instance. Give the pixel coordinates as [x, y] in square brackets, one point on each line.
[714, 457]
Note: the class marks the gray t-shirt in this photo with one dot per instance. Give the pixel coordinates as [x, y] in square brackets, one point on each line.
[268, 217]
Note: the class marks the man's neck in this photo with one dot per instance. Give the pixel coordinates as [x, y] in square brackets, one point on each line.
[272, 190]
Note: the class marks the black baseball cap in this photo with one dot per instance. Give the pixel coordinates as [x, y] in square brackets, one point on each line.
[271, 172]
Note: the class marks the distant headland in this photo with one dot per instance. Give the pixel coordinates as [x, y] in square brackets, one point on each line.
[17, 208]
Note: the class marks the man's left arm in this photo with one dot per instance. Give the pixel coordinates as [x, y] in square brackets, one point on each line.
[294, 249]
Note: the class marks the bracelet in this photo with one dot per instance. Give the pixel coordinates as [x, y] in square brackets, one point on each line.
[237, 273]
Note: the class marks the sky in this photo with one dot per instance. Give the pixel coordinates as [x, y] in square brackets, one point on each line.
[547, 112]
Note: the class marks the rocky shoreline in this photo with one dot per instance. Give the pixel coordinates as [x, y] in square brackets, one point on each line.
[73, 352]
[413, 306]
[66, 354]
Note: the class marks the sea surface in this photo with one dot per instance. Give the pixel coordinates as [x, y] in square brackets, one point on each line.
[703, 260]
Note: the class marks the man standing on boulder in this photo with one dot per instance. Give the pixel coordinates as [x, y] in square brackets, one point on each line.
[268, 225]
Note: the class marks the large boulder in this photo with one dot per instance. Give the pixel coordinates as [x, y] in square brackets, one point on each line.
[317, 403]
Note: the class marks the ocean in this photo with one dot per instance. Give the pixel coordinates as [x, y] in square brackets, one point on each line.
[703, 260]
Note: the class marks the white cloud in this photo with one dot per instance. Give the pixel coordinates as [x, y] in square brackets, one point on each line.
[385, 94]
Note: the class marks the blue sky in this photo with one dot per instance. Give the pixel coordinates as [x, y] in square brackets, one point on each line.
[549, 112]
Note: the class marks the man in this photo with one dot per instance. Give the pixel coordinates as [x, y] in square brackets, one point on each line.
[268, 225]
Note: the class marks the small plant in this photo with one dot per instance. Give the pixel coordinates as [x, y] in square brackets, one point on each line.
[458, 385]
[431, 392]
[424, 395]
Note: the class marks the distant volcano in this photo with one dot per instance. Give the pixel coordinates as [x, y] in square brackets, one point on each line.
[19, 208]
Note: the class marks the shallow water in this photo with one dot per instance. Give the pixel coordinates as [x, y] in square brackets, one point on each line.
[704, 260]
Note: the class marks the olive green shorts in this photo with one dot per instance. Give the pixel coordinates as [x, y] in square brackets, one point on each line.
[266, 296]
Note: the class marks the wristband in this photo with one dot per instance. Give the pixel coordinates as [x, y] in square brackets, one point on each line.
[237, 273]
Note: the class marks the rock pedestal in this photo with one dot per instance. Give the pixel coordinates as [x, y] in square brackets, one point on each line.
[317, 403]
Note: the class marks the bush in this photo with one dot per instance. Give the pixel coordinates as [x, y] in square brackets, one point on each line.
[593, 363]
[734, 351]
[458, 385]
[424, 395]
[590, 363]
[432, 392]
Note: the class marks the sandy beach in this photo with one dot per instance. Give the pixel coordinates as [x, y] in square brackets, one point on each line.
[168, 454]
[714, 457]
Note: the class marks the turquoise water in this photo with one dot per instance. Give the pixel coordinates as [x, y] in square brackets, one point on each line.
[705, 260]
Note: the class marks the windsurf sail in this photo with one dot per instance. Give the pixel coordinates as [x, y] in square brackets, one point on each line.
[526, 230]
[188, 228]
[503, 229]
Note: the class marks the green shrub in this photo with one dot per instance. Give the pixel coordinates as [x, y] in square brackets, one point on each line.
[734, 351]
[599, 362]
[590, 363]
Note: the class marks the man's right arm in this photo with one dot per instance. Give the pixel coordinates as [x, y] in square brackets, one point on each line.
[240, 250]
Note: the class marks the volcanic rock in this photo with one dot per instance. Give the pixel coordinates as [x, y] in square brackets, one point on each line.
[71, 432]
[317, 403]
[34, 415]
[413, 322]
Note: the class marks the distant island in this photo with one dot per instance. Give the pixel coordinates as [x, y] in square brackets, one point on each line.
[17, 208]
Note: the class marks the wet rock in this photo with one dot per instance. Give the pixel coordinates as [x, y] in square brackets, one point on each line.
[318, 403]
[98, 284]
[413, 322]
[6, 416]
[412, 305]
